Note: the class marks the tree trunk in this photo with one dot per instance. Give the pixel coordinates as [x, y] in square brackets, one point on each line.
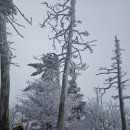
[0, 73]
[5, 82]
[121, 103]
[60, 122]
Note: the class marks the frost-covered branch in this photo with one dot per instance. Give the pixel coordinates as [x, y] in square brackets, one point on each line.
[63, 24]
[9, 9]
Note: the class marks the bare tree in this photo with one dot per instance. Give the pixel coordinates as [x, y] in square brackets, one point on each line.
[116, 79]
[61, 19]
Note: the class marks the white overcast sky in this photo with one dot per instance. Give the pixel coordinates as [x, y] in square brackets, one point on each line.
[103, 19]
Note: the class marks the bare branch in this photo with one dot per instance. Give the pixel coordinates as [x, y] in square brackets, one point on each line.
[29, 21]
[124, 81]
[107, 73]
[15, 64]
[124, 97]
[110, 79]
[104, 89]
[14, 21]
[14, 27]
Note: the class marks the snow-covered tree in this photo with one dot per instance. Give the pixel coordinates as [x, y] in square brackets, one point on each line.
[127, 113]
[13, 117]
[41, 101]
[39, 107]
[61, 19]
[40, 104]
[6, 9]
[105, 117]
[116, 79]
[48, 67]
[7, 12]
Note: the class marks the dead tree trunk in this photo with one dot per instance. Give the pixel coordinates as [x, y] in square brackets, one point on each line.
[5, 82]
[60, 122]
[116, 78]
[121, 102]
